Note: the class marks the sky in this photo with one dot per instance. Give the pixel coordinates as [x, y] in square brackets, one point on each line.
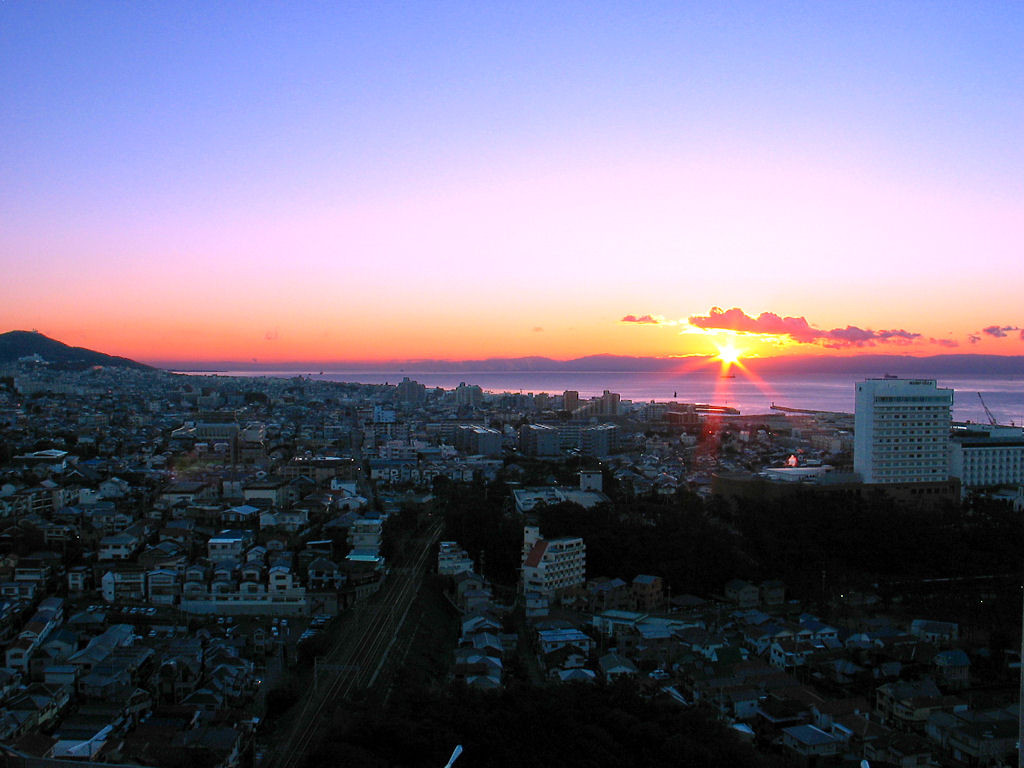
[390, 181]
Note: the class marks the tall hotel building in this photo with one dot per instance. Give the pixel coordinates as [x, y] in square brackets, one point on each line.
[901, 431]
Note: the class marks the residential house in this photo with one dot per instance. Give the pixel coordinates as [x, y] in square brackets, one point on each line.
[477, 669]
[292, 520]
[126, 584]
[648, 593]
[905, 750]
[550, 640]
[742, 593]
[280, 579]
[953, 668]
[120, 546]
[907, 705]
[604, 594]
[229, 545]
[772, 593]
[324, 575]
[809, 743]
[271, 490]
[163, 586]
[613, 665]
[453, 559]
[79, 579]
[186, 492]
[987, 737]
[938, 632]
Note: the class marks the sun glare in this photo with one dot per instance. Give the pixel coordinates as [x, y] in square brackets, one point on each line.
[728, 353]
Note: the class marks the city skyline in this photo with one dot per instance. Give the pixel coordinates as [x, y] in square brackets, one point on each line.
[408, 182]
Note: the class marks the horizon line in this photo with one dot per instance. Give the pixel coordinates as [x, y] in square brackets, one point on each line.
[832, 359]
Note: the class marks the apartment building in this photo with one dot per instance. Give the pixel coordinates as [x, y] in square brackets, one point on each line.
[552, 565]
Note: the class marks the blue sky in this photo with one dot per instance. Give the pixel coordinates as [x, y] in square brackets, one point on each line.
[193, 134]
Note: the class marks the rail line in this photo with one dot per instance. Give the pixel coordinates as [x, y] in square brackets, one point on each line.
[360, 651]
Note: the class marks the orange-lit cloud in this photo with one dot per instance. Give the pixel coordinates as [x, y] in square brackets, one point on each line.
[797, 329]
[944, 342]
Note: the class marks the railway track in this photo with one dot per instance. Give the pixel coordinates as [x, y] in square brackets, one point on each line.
[361, 649]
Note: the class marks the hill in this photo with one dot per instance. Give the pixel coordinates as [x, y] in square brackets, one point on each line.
[15, 345]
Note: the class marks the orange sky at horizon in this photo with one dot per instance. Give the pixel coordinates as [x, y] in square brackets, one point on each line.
[190, 338]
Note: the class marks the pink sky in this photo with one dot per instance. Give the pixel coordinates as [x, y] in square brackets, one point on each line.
[428, 184]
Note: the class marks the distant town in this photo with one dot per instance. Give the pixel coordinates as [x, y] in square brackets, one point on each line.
[199, 569]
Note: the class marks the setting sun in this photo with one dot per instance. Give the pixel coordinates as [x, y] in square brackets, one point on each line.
[728, 353]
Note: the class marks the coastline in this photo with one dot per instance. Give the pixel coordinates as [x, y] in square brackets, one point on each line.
[751, 394]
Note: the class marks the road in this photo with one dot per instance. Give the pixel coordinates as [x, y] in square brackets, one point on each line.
[361, 647]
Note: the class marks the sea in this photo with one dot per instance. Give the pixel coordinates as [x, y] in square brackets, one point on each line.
[749, 393]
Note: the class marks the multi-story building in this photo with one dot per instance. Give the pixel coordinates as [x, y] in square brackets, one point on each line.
[271, 489]
[366, 532]
[127, 583]
[468, 395]
[591, 480]
[609, 403]
[570, 400]
[411, 392]
[984, 456]
[476, 439]
[552, 565]
[320, 469]
[453, 559]
[599, 440]
[902, 431]
[538, 440]
[217, 425]
[648, 592]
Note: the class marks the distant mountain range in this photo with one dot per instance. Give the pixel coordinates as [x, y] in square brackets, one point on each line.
[15, 345]
[866, 365]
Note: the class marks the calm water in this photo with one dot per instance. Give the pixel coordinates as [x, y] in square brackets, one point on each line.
[828, 392]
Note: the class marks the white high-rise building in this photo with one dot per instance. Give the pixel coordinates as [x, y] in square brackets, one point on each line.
[901, 431]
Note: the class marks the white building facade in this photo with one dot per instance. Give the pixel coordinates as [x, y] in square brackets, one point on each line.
[902, 431]
[984, 456]
[552, 565]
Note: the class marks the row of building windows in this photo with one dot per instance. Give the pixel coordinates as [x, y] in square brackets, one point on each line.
[911, 399]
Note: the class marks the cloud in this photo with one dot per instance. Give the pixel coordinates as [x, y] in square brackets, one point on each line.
[999, 331]
[974, 339]
[537, 329]
[644, 319]
[768, 323]
[270, 335]
[944, 342]
[798, 329]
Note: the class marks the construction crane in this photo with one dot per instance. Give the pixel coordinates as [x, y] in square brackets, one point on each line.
[988, 413]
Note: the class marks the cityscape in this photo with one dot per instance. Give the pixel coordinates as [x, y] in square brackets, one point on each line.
[487, 384]
[204, 569]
